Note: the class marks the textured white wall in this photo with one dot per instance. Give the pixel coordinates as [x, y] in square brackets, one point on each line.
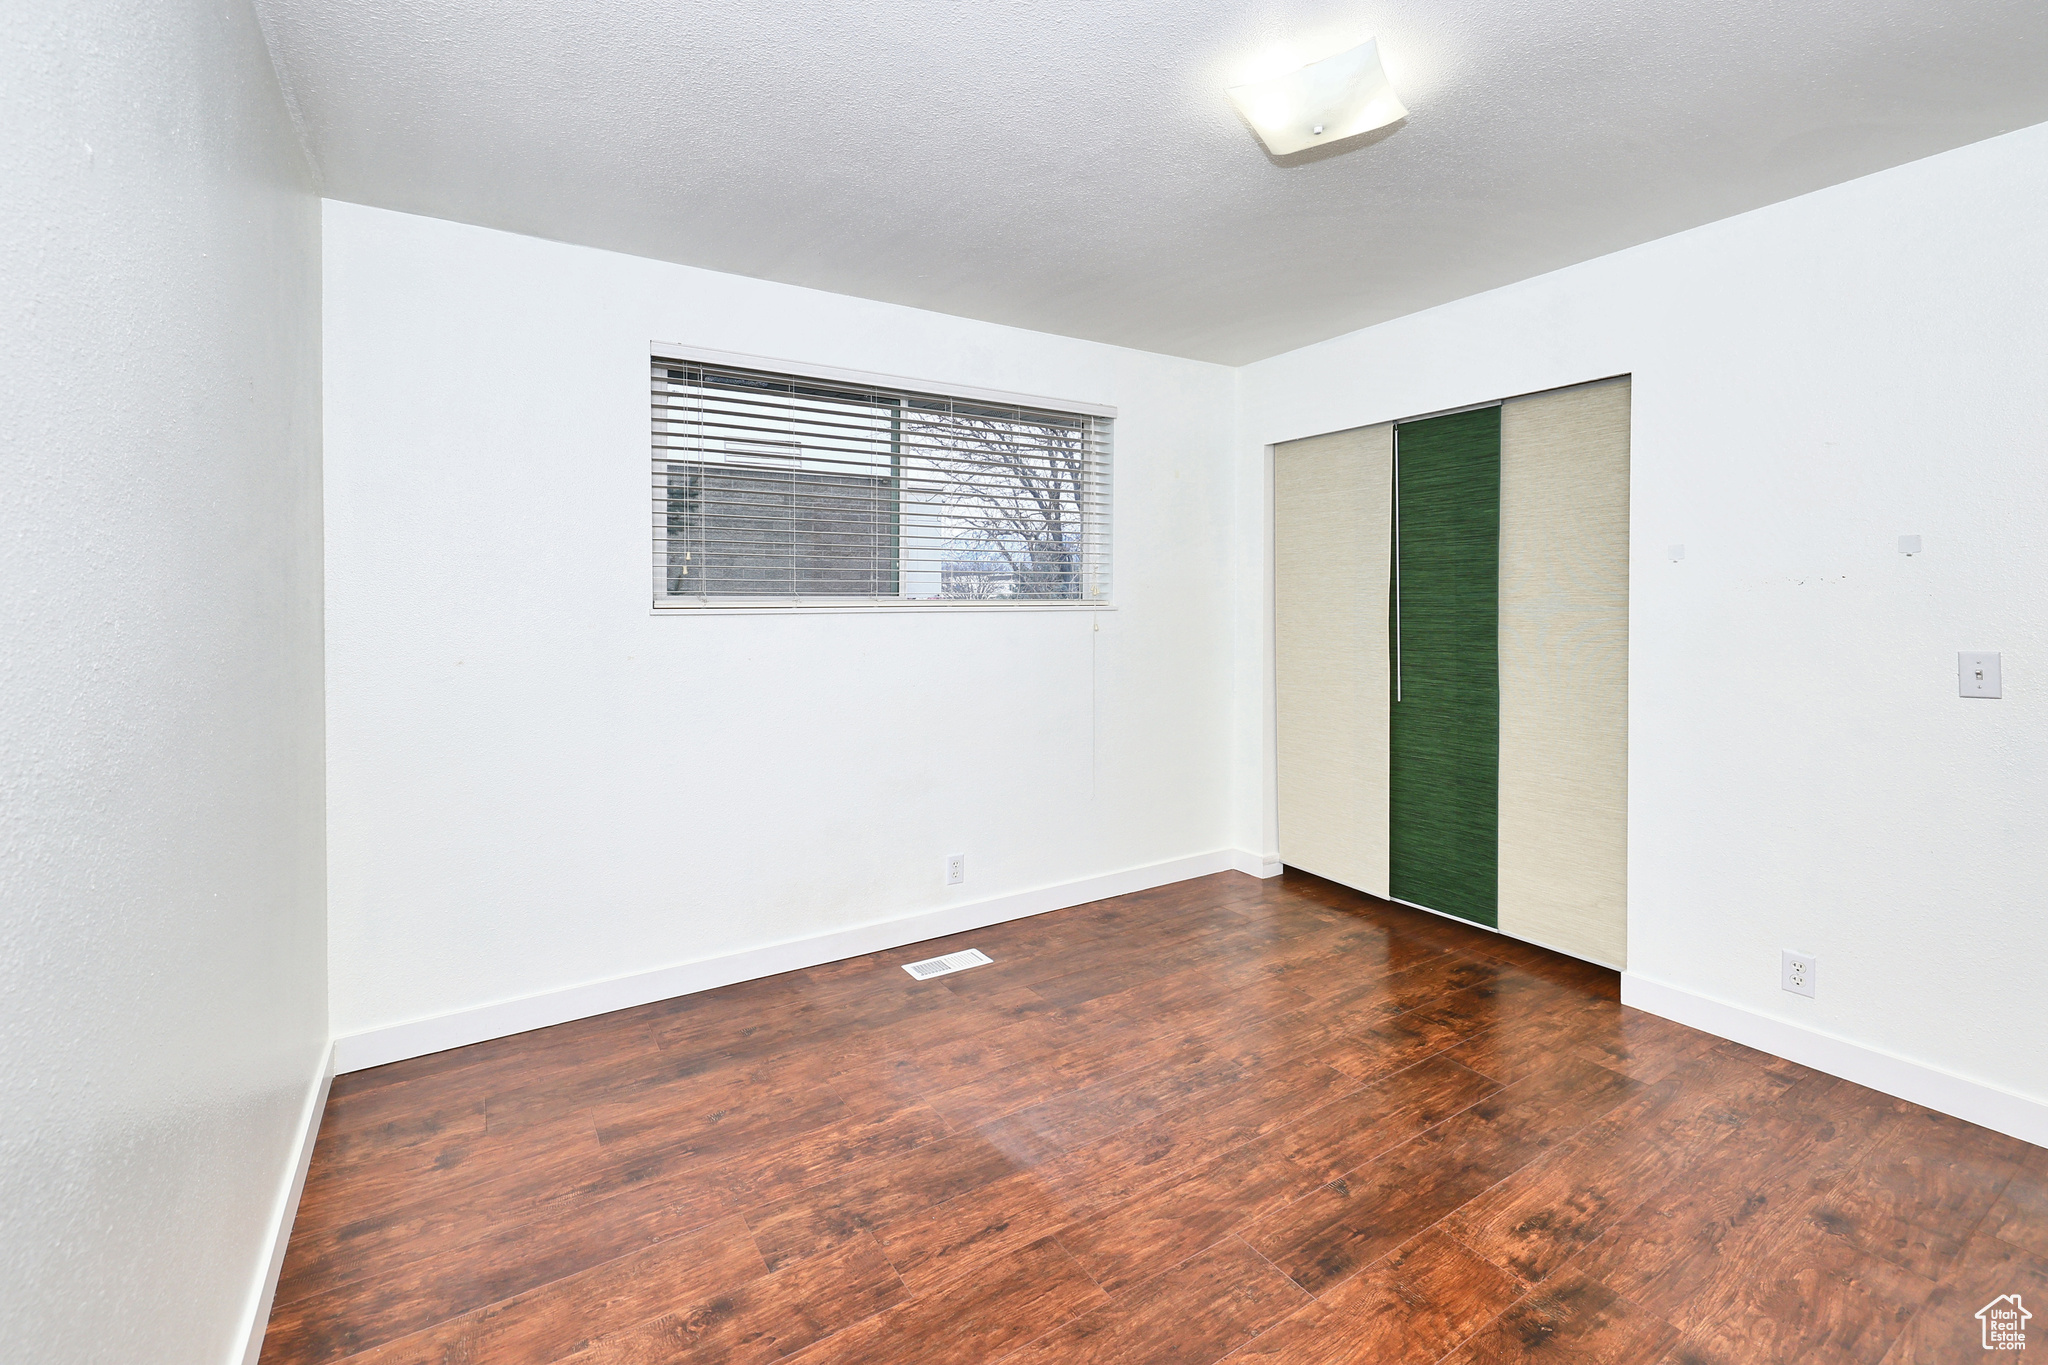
[534, 783]
[162, 981]
[1812, 381]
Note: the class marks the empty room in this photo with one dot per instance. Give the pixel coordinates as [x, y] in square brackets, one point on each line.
[1151, 684]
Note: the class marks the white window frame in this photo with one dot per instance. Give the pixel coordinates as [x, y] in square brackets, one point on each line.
[663, 350]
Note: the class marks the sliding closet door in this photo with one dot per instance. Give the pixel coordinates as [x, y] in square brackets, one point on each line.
[1444, 737]
[1332, 514]
[1564, 670]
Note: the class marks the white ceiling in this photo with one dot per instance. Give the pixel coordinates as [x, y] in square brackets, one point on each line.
[1074, 166]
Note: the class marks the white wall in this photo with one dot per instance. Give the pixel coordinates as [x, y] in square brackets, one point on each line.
[1812, 380]
[162, 980]
[536, 783]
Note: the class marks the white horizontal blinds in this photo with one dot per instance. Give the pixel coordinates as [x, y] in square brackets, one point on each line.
[775, 489]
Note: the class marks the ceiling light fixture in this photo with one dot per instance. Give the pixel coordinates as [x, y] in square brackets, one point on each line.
[1325, 101]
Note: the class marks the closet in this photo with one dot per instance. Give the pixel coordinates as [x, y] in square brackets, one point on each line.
[1451, 663]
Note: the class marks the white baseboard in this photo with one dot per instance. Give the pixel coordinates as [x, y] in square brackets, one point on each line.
[418, 1037]
[1254, 865]
[1978, 1102]
[264, 1292]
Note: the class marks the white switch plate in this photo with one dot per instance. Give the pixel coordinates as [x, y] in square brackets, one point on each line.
[1909, 545]
[1676, 552]
[1977, 675]
[1796, 973]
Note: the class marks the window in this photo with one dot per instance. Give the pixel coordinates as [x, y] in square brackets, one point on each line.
[794, 490]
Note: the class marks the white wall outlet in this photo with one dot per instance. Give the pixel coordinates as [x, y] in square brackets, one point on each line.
[956, 869]
[1797, 972]
[1977, 675]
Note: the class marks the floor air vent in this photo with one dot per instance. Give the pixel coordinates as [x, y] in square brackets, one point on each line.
[951, 962]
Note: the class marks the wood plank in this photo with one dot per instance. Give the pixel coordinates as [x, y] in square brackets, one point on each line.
[1437, 979]
[1812, 1299]
[545, 1324]
[819, 1154]
[852, 1204]
[1077, 1063]
[1545, 1213]
[1024, 1295]
[1201, 1076]
[440, 1172]
[2020, 1217]
[371, 1300]
[1946, 1329]
[1412, 1308]
[1690, 1250]
[371, 1096]
[1193, 1314]
[1919, 1196]
[1138, 1238]
[1133, 1241]
[393, 1223]
[1397, 1044]
[1640, 1046]
[1572, 1319]
[1338, 1230]
[762, 1320]
[945, 1241]
[1340, 1137]
[416, 1135]
[1157, 1151]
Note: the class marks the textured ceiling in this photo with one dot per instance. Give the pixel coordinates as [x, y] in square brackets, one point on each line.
[1075, 166]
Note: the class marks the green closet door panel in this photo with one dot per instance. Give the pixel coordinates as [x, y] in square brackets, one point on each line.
[1444, 738]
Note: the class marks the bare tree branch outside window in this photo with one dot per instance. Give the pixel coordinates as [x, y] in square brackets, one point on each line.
[1008, 494]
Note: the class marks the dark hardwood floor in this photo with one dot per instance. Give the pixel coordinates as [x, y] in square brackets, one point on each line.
[1271, 1122]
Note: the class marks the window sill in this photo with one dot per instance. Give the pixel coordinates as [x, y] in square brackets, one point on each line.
[872, 608]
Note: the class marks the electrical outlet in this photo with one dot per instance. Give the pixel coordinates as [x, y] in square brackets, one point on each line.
[1797, 974]
[956, 869]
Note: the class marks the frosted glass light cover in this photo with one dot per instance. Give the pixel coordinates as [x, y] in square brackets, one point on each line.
[1335, 98]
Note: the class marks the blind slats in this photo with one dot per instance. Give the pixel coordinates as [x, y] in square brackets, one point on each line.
[924, 466]
[978, 483]
[836, 409]
[779, 490]
[962, 448]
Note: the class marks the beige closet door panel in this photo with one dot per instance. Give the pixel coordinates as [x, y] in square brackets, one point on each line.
[1332, 524]
[1564, 670]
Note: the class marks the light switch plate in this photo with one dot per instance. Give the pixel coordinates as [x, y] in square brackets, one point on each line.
[1977, 675]
[1909, 545]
